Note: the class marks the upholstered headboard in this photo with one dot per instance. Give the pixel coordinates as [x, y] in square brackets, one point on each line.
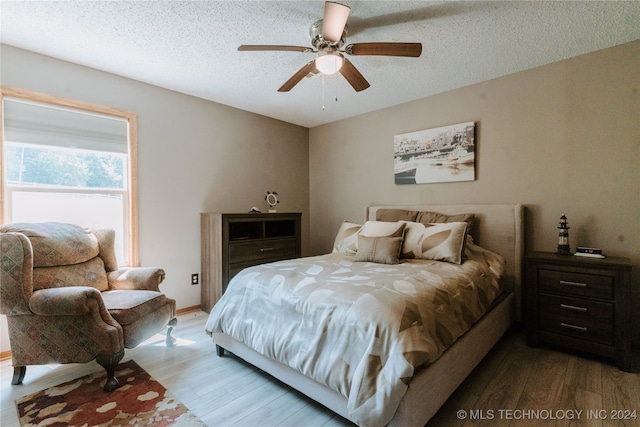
[499, 228]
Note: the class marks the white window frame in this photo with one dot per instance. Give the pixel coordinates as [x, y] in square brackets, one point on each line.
[131, 201]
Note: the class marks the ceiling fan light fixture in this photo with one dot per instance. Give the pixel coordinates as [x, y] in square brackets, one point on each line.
[329, 62]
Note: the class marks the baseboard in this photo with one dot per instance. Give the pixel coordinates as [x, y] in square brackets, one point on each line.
[4, 355]
[188, 310]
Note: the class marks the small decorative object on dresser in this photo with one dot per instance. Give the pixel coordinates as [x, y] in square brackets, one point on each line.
[589, 252]
[272, 200]
[563, 237]
[580, 303]
[231, 242]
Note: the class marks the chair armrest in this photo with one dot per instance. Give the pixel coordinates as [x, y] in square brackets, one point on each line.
[16, 273]
[67, 301]
[136, 278]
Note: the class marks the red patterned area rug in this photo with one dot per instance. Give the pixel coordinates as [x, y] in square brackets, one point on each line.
[139, 401]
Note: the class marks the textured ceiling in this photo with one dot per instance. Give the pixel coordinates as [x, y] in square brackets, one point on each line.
[191, 46]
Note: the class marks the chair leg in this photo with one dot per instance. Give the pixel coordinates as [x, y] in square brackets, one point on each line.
[170, 340]
[18, 374]
[109, 362]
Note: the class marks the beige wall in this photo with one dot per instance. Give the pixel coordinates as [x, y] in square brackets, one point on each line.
[194, 156]
[559, 139]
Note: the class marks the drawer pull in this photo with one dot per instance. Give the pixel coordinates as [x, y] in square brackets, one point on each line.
[574, 284]
[265, 249]
[574, 327]
[574, 308]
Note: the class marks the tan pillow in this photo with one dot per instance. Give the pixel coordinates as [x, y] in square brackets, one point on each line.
[437, 241]
[383, 229]
[393, 215]
[346, 240]
[381, 250]
[433, 217]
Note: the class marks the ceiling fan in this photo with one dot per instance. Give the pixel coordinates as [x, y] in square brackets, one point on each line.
[328, 35]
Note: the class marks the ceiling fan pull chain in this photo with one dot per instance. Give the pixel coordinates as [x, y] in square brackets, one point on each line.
[322, 92]
[336, 82]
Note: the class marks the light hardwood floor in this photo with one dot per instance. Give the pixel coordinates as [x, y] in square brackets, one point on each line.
[513, 384]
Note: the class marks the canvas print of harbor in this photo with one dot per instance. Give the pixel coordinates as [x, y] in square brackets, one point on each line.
[443, 154]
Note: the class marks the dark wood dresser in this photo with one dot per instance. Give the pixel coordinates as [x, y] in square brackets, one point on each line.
[231, 242]
[580, 303]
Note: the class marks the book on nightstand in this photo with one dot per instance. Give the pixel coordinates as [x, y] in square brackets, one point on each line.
[589, 252]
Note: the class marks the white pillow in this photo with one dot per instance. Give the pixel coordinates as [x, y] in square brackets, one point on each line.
[383, 229]
[435, 241]
[346, 240]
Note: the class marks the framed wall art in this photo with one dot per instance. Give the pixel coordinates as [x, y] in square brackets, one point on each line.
[444, 154]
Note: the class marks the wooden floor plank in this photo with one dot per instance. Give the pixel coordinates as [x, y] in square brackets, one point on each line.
[585, 373]
[228, 391]
[276, 412]
[233, 410]
[504, 390]
[620, 397]
[544, 384]
[579, 401]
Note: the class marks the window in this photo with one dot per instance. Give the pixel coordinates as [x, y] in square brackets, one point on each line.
[68, 161]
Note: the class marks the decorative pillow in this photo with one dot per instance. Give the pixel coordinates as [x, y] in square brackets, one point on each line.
[383, 229]
[392, 215]
[434, 217]
[382, 250]
[437, 241]
[347, 238]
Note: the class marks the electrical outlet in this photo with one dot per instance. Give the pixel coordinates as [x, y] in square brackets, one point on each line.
[194, 279]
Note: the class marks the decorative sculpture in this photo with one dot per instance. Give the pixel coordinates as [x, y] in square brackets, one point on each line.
[563, 237]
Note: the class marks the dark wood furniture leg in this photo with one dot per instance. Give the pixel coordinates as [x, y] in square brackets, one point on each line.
[109, 362]
[18, 374]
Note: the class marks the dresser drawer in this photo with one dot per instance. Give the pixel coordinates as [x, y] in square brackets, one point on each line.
[576, 317]
[579, 284]
[274, 249]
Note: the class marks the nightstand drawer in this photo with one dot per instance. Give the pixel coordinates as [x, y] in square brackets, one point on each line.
[576, 317]
[566, 282]
[263, 249]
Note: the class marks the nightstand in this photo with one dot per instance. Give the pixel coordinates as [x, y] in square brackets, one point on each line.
[580, 303]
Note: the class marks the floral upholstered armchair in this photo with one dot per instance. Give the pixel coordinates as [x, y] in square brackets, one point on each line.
[66, 300]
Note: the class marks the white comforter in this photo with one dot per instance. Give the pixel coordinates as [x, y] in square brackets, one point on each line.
[359, 328]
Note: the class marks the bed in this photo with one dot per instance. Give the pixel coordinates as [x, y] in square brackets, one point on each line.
[419, 388]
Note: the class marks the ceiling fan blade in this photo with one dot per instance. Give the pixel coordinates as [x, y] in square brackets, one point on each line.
[353, 76]
[258, 47]
[334, 21]
[299, 75]
[413, 50]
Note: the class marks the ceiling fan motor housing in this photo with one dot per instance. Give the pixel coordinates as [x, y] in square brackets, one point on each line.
[320, 43]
